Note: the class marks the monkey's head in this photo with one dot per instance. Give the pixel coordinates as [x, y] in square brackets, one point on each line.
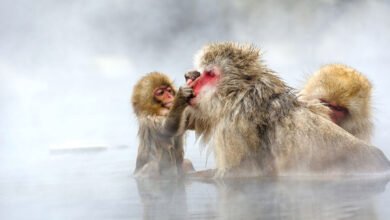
[227, 71]
[153, 95]
[343, 89]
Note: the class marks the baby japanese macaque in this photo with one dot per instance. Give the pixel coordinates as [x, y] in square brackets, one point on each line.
[160, 113]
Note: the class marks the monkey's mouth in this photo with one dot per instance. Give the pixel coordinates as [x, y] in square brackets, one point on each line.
[206, 81]
[192, 83]
[168, 105]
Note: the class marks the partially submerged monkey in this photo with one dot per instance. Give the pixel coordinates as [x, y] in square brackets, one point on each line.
[257, 126]
[159, 111]
[347, 94]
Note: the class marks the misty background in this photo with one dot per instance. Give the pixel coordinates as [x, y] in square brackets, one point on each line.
[67, 68]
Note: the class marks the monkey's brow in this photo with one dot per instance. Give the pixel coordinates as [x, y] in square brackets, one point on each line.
[164, 86]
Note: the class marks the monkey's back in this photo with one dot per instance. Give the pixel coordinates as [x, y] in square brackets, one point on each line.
[306, 142]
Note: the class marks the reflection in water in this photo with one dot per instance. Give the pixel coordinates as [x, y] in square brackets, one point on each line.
[163, 199]
[99, 186]
[266, 198]
[298, 199]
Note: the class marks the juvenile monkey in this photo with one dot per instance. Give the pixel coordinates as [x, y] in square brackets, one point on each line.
[159, 111]
[257, 126]
[347, 94]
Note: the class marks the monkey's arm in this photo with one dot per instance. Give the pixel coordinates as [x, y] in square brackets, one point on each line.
[189, 119]
[175, 121]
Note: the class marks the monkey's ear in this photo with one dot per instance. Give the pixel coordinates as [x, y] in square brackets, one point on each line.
[144, 108]
[142, 99]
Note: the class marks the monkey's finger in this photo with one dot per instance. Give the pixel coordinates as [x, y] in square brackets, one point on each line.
[191, 76]
[186, 92]
[189, 81]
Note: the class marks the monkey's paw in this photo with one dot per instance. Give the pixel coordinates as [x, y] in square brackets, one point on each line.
[185, 94]
[191, 76]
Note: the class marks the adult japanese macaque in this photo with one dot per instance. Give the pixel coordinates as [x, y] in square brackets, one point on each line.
[257, 126]
[161, 126]
[347, 94]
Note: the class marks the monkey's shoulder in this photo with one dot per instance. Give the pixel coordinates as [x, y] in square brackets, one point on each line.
[152, 121]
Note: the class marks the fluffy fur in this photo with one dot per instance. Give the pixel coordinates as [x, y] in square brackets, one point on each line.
[160, 151]
[257, 126]
[143, 100]
[348, 88]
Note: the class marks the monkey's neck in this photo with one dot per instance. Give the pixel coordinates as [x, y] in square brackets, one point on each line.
[280, 105]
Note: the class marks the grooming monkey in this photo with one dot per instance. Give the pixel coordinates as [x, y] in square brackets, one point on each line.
[347, 94]
[161, 126]
[257, 126]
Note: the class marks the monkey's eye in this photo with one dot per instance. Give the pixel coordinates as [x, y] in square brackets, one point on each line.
[339, 108]
[159, 92]
[168, 89]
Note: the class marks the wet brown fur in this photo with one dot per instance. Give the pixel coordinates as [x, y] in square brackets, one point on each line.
[143, 100]
[256, 125]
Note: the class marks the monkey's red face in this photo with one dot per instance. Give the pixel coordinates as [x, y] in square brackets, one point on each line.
[164, 95]
[207, 80]
[338, 113]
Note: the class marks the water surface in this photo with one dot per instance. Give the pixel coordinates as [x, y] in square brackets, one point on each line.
[99, 185]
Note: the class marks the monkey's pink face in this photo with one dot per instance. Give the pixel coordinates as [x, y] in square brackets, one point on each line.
[164, 95]
[338, 113]
[207, 80]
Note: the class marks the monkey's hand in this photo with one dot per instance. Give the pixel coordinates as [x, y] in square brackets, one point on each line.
[191, 76]
[184, 95]
[173, 124]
